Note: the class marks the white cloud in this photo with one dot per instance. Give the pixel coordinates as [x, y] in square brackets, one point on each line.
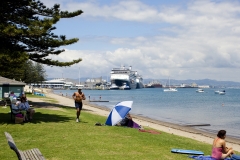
[125, 10]
[195, 41]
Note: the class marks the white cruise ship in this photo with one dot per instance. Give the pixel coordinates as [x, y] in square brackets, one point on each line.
[125, 78]
[139, 81]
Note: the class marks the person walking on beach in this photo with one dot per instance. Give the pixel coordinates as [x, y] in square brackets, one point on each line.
[219, 148]
[78, 97]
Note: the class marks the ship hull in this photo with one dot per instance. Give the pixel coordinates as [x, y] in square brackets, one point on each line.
[119, 83]
[139, 85]
[154, 84]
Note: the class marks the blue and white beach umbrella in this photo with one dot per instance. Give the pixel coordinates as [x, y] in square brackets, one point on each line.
[119, 112]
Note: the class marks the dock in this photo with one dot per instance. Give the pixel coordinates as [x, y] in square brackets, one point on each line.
[97, 101]
[196, 125]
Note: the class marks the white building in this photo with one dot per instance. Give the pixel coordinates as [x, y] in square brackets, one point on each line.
[204, 86]
[58, 83]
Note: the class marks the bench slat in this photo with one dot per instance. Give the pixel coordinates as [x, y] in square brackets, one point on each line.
[34, 154]
[29, 154]
[40, 156]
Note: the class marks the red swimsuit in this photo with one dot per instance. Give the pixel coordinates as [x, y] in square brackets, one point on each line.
[216, 152]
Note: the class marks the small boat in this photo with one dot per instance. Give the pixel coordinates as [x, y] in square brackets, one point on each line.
[124, 87]
[199, 90]
[170, 90]
[222, 92]
[113, 87]
[217, 92]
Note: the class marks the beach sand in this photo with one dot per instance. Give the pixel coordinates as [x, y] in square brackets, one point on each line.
[175, 129]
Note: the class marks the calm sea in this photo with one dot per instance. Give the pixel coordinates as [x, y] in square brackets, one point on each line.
[183, 107]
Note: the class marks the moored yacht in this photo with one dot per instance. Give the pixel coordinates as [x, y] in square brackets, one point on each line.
[170, 90]
[216, 92]
[220, 92]
[124, 87]
[113, 87]
[199, 90]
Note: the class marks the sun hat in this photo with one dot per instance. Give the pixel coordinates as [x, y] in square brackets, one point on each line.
[14, 100]
[79, 88]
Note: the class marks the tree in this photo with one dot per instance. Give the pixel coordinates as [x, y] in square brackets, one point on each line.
[40, 73]
[28, 69]
[29, 72]
[26, 27]
[33, 73]
[11, 65]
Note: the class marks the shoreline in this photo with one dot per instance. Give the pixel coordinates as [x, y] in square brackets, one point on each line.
[184, 131]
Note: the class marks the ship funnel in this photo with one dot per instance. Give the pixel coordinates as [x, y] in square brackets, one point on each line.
[130, 67]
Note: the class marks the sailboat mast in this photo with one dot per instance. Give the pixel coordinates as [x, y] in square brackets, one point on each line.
[79, 76]
[168, 82]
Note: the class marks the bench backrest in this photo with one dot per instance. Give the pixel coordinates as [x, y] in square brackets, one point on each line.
[12, 145]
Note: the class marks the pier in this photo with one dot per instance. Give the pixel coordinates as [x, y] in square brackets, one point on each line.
[97, 101]
[196, 125]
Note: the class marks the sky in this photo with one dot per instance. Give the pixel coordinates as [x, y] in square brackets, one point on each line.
[179, 39]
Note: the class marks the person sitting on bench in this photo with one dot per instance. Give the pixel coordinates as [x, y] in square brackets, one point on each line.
[16, 107]
[25, 106]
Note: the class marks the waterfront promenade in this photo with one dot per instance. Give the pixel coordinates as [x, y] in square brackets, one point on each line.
[183, 131]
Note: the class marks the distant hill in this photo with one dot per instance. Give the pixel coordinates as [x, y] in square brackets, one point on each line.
[212, 83]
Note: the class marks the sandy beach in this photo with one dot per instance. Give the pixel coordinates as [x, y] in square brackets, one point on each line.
[183, 131]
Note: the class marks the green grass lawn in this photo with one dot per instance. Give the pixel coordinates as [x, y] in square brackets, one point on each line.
[59, 137]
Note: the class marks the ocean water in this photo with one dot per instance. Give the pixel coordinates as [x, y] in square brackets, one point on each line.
[185, 107]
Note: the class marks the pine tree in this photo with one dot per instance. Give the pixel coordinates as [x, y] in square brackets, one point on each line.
[26, 27]
[12, 64]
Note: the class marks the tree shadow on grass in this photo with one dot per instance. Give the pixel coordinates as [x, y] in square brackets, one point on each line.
[51, 105]
[5, 118]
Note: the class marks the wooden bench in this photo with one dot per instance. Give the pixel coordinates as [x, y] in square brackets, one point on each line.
[31, 154]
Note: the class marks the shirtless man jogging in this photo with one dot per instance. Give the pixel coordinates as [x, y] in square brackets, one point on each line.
[78, 97]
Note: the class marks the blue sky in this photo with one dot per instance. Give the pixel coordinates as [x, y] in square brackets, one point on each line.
[180, 39]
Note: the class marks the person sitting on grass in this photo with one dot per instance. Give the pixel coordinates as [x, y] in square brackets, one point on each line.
[25, 106]
[219, 148]
[128, 122]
